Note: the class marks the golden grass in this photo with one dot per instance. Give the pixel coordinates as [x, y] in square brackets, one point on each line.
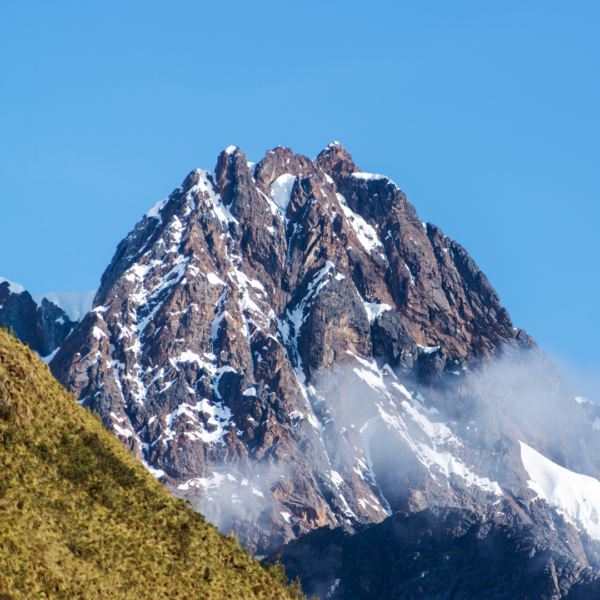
[81, 518]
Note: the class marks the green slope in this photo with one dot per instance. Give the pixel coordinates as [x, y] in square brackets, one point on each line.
[81, 518]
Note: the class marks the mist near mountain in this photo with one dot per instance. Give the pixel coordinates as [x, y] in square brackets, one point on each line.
[584, 380]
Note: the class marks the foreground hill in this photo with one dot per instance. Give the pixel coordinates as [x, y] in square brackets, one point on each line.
[81, 518]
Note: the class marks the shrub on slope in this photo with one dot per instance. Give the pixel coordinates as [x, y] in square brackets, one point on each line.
[81, 518]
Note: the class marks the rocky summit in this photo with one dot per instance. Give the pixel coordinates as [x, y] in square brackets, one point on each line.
[288, 346]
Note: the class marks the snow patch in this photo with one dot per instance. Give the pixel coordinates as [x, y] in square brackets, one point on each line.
[207, 483]
[214, 279]
[429, 349]
[575, 496]
[98, 333]
[336, 478]
[374, 309]
[155, 211]
[219, 422]
[15, 288]
[282, 190]
[123, 432]
[372, 177]
[205, 187]
[367, 236]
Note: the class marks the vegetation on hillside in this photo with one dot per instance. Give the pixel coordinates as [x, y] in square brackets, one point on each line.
[81, 518]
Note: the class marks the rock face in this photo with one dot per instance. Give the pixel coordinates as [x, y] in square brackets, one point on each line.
[441, 554]
[43, 325]
[290, 347]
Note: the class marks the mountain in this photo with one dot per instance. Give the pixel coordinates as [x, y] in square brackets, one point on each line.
[81, 518]
[289, 347]
[41, 320]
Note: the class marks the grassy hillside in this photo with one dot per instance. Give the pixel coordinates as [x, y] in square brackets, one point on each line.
[81, 518]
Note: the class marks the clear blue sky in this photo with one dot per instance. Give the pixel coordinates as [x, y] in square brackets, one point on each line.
[485, 113]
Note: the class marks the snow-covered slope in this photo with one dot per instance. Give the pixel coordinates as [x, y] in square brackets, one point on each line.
[15, 288]
[575, 496]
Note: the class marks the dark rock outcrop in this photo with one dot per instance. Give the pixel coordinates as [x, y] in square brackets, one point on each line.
[444, 553]
[43, 326]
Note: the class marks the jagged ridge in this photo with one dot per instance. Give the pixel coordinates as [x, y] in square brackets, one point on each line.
[38, 320]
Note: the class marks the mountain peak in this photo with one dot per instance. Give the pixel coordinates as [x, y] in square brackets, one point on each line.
[335, 160]
[289, 346]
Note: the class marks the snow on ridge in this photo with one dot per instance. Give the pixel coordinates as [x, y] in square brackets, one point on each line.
[205, 186]
[367, 236]
[372, 177]
[289, 331]
[156, 209]
[75, 304]
[298, 316]
[329, 147]
[15, 288]
[282, 190]
[575, 496]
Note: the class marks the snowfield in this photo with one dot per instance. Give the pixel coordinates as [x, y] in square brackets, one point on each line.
[575, 496]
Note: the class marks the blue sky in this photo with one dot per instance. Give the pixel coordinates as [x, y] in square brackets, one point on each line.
[484, 113]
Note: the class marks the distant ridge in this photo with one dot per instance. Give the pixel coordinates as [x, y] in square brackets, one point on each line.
[43, 321]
